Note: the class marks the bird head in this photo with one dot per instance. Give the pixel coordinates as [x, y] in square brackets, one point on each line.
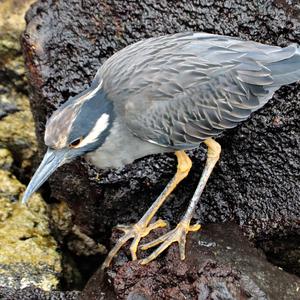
[79, 126]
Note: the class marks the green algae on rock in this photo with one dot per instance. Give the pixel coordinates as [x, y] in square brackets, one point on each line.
[12, 13]
[16, 129]
[6, 159]
[28, 253]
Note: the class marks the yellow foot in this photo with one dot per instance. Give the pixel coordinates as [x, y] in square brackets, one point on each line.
[176, 235]
[135, 232]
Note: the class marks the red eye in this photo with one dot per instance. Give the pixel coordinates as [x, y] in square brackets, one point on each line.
[75, 143]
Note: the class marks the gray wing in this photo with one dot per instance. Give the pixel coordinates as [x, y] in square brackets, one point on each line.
[178, 90]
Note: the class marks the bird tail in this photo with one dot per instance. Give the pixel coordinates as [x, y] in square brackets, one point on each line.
[285, 69]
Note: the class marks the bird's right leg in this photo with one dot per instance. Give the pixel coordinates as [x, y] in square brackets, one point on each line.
[142, 227]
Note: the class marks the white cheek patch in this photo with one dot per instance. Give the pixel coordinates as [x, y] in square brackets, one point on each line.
[99, 127]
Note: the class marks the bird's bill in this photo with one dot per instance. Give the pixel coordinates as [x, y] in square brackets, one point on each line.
[51, 161]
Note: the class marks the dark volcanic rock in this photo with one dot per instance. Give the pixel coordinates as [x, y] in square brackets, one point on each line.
[34, 293]
[220, 264]
[256, 181]
[283, 252]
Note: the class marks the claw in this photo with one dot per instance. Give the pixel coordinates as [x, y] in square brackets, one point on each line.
[158, 224]
[194, 227]
[123, 228]
[176, 235]
[137, 232]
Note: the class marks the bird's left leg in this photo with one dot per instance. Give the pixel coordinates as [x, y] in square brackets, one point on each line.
[179, 233]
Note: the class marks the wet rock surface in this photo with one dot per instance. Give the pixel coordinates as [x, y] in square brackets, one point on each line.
[221, 264]
[256, 182]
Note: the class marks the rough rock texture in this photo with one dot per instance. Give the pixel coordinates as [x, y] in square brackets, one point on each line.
[78, 242]
[256, 182]
[283, 252]
[16, 122]
[33, 293]
[220, 264]
[28, 252]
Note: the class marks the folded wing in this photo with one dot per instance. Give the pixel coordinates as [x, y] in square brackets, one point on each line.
[178, 90]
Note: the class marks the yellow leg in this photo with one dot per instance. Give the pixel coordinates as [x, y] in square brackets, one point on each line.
[142, 228]
[179, 233]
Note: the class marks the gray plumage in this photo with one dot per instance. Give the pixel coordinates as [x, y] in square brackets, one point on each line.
[165, 94]
[178, 90]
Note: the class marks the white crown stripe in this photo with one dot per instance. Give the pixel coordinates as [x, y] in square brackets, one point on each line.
[90, 94]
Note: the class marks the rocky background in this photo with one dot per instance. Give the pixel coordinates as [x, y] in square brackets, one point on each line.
[256, 184]
[28, 252]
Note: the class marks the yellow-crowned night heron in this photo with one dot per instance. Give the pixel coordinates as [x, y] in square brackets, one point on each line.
[165, 94]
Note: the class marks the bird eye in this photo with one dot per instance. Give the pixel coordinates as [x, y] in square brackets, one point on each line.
[75, 143]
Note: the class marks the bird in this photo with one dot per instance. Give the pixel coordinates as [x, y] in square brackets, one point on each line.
[165, 94]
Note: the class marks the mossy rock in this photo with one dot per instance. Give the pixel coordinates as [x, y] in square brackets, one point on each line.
[16, 127]
[28, 252]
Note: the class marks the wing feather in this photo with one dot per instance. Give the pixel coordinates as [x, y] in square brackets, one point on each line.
[178, 90]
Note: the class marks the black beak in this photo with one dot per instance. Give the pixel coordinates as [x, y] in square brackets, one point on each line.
[51, 161]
